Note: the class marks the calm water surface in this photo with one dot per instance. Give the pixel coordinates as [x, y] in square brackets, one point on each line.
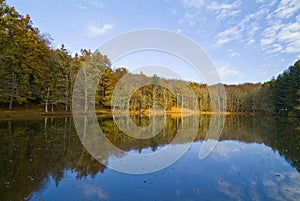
[257, 158]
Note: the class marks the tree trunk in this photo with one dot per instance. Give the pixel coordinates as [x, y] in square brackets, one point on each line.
[10, 102]
[45, 128]
[46, 103]
[66, 93]
[45, 124]
[165, 104]
[182, 101]
[13, 77]
[154, 96]
[85, 91]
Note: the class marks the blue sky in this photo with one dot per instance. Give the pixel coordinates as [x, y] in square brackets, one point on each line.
[249, 41]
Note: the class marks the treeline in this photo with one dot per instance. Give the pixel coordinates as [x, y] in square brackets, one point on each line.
[278, 96]
[33, 73]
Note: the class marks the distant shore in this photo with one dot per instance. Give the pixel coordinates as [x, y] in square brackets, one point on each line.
[19, 113]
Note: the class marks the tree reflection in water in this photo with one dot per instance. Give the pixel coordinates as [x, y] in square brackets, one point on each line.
[32, 151]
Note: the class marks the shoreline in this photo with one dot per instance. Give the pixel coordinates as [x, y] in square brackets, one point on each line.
[39, 113]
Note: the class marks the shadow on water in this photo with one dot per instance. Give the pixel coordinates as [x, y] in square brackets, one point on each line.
[35, 152]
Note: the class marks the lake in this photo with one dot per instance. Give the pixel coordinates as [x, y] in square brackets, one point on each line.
[256, 158]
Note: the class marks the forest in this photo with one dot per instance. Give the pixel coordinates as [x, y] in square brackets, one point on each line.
[33, 74]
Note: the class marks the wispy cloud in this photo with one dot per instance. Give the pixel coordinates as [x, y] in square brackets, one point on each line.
[247, 26]
[99, 30]
[191, 19]
[253, 17]
[250, 41]
[85, 4]
[290, 35]
[179, 30]
[287, 35]
[253, 28]
[232, 53]
[226, 71]
[193, 3]
[277, 31]
[287, 8]
[275, 48]
[82, 7]
[273, 27]
[223, 9]
[227, 36]
[266, 41]
[219, 7]
[261, 1]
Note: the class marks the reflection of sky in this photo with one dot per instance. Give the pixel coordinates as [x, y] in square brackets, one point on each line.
[233, 171]
[146, 150]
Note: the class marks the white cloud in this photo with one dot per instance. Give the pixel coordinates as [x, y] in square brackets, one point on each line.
[271, 31]
[275, 48]
[95, 3]
[85, 4]
[285, 35]
[266, 41]
[224, 10]
[227, 36]
[253, 28]
[179, 30]
[232, 53]
[226, 71]
[249, 25]
[193, 3]
[273, 27]
[99, 30]
[254, 16]
[82, 7]
[281, 26]
[293, 47]
[289, 33]
[217, 6]
[266, 4]
[287, 8]
[251, 41]
[191, 19]
[261, 1]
